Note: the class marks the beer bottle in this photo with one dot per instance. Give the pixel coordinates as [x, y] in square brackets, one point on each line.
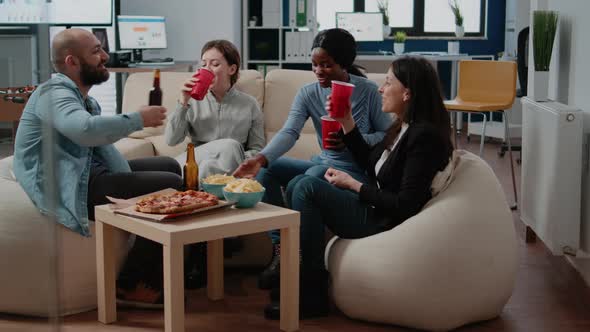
[156, 92]
[191, 169]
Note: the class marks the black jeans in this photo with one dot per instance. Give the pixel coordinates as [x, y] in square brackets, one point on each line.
[144, 261]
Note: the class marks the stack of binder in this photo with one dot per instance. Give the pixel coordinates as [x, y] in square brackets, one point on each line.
[298, 46]
[301, 13]
[271, 13]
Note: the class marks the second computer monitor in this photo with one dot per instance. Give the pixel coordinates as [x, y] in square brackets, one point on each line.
[363, 26]
[141, 33]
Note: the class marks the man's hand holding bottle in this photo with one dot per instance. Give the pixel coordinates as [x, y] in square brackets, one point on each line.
[152, 116]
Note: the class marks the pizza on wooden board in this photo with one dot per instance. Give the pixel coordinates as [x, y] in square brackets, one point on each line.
[176, 202]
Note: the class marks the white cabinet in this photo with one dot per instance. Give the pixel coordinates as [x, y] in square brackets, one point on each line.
[275, 35]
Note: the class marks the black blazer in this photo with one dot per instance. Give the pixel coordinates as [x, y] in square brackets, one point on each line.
[406, 176]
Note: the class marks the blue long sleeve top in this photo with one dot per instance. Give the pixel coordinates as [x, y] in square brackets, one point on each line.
[310, 103]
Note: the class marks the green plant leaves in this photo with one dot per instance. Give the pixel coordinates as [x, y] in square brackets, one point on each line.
[544, 29]
[456, 12]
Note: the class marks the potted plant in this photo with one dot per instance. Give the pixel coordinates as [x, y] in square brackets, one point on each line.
[399, 38]
[383, 6]
[544, 29]
[459, 29]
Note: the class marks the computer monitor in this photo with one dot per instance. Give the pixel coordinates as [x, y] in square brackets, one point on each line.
[101, 35]
[363, 26]
[140, 33]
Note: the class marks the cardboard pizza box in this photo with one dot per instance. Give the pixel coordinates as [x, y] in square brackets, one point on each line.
[127, 207]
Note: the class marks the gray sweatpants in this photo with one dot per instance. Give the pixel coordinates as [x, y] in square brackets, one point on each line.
[221, 156]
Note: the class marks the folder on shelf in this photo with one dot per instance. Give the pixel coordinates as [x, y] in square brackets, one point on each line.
[311, 14]
[271, 13]
[292, 12]
[301, 13]
[309, 43]
[289, 41]
[302, 45]
[271, 6]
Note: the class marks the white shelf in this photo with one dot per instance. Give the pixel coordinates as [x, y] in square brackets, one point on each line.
[264, 61]
[276, 41]
[264, 28]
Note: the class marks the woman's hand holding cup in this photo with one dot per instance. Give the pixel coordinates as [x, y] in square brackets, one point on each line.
[188, 87]
[197, 86]
[346, 120]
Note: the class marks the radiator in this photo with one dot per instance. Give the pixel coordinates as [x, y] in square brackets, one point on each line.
[551, 178]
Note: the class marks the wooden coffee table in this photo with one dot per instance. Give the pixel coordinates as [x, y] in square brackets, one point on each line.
[211, 226]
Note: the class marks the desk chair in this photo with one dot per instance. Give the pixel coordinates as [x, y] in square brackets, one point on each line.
[486, 86]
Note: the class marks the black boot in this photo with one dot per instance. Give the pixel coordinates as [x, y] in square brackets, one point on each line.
[313, 297]
[270, 277]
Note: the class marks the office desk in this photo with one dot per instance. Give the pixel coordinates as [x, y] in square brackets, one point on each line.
[380, 63]
[11, 111]
[123, 73]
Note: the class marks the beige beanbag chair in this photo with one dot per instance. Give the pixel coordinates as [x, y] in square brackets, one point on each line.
[43, 265]
[452, 264]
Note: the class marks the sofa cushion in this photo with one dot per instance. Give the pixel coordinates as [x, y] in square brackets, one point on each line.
[6, 169]
[252, 83]
[132, 148]
[138, 85]
[163, 149]
[307, 146]
[280, 88]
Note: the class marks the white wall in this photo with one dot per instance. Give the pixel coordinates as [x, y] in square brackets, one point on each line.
[570, 78]
[573, 52]
[190, 23]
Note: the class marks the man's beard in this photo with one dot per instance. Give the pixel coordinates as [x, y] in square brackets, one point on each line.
[91, 75]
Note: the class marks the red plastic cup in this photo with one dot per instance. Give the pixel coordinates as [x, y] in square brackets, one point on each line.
[200, 89]
[329, 125]
[341, 92]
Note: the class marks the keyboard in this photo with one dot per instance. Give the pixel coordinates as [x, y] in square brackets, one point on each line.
[158, 60]
[152, 64]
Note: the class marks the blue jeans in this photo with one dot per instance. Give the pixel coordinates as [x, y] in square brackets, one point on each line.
[322, 204]
[281, 171]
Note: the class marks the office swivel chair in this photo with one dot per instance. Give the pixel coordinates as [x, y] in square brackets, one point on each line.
[523, 70]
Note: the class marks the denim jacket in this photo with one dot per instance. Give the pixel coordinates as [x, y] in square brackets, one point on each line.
[59, 134]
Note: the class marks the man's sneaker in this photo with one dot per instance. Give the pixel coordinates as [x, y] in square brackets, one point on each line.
[142, 296]
[270, 277]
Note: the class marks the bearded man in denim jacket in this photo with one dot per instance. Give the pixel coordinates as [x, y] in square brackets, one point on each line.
[64, 155]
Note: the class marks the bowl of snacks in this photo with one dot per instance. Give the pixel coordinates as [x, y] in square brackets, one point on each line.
[214, 183]
[244, 192]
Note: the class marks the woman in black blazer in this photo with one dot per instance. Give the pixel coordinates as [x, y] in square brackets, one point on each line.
[400, 170]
